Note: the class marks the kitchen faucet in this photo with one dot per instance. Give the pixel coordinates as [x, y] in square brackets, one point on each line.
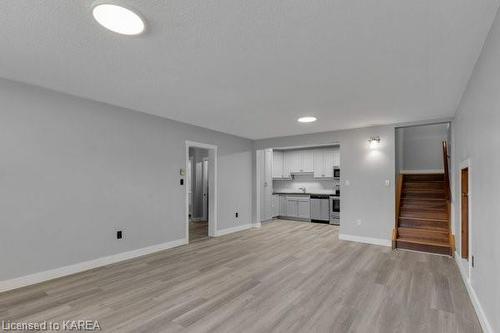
[303, 189]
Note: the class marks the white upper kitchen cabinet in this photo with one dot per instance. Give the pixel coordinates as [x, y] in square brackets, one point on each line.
[299, 161]
[328, 161]
[336, 157]
[324, 160]
[318, 165]
[306, 160]
[278, 165]
[292, 161]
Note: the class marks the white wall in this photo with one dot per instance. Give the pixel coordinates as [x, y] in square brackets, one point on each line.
[73, 171]
[367, 205]
[476, 136]
[420, 147]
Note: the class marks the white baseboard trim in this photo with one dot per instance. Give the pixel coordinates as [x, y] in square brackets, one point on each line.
[233, 229]
[483, 320]
[257, 225]
[366, 240]
[411, 172]
[85, 266]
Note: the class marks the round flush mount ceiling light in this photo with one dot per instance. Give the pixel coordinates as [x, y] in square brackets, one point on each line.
[307, 119]
[118, 19]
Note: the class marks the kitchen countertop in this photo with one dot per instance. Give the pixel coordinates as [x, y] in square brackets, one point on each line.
[306, 193]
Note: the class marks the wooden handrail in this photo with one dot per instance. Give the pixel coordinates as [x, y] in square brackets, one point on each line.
[399, 189]
[447, 189]
[446, 171]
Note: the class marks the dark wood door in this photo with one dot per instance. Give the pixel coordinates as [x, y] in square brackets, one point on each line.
[465, 212]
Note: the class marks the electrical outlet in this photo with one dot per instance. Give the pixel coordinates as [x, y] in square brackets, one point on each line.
[358, 222]
[472, 261]
[387, 182]
[182, 181]
[119, 234]
[236, 214]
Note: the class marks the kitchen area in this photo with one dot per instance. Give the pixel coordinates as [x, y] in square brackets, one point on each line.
[301, 184]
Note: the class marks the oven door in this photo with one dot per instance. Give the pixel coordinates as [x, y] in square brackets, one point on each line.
[334, 210]
[335, 205]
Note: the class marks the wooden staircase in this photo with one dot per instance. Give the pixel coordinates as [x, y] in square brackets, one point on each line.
[423, 213]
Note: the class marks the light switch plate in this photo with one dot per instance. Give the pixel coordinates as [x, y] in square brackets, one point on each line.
[182, 172]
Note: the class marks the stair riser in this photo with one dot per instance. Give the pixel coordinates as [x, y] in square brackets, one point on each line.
[424, 178]
[423, 190]
[424, 206]
[423, 195]
[422, 224]
[422, 218]
[423, 185]
[423, 248]
[439, 236]
[430, 212]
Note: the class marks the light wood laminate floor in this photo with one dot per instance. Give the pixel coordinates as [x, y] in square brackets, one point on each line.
[198, 230]
[284, 277]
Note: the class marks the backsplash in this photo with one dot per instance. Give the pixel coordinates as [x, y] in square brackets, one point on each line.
[308, 181]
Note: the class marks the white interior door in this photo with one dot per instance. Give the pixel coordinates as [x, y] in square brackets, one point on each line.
[205, 190]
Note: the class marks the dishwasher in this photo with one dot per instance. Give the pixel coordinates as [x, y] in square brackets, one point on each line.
[320, 208]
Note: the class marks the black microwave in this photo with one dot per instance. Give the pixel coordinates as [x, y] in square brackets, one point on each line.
[336, 173]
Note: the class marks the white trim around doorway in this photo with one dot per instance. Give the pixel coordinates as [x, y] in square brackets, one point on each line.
[212, 187]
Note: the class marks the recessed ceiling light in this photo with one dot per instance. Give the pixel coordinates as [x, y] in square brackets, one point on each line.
[118, 19]
[306, 119]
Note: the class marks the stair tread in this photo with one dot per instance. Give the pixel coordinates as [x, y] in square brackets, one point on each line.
[413, 217]
[423, 241]
[426, 227]
[423, 230]
[413, 181]
[423, 198]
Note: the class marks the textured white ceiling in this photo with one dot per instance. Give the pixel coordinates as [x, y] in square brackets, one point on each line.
[251, 68]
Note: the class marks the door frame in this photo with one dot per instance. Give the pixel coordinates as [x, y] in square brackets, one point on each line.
[466, 164]
[205, 181]
[212, 187]
[189, 185]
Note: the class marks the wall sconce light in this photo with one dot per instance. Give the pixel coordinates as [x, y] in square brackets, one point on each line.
[374, 141]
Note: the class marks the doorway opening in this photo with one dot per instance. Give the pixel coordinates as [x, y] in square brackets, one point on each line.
[201, 191]
[298, 183]
[464, 212]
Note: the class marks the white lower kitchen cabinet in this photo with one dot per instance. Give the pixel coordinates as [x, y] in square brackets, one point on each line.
[283, 205]
[303, 209]
[276, 205]
[291, 207]
[298, 206]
